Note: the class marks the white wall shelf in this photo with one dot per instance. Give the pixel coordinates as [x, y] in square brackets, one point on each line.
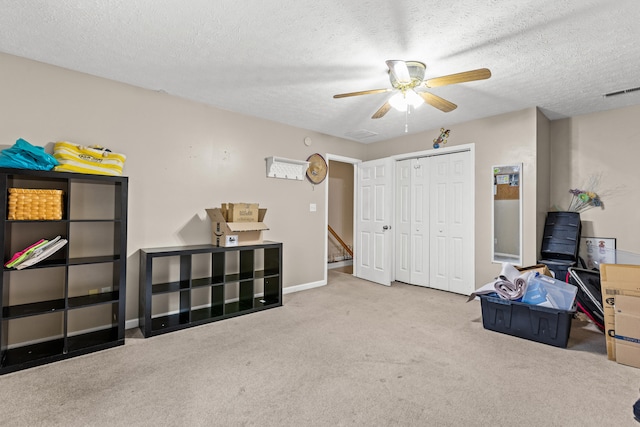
[279, 167]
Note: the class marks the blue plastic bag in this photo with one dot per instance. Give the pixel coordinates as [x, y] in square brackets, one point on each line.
[26, 156]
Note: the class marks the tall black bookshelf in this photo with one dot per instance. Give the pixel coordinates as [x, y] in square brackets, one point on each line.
[73, 302]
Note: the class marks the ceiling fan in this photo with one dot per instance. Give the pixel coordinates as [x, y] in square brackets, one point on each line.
[407, 77]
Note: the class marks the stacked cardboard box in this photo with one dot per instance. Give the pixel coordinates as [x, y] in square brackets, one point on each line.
[235, 224]
[620, 284]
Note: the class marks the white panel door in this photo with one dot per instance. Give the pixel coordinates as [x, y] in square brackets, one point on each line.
[412, 221]
[403, 221]
[374, 202]
[451, 208]
[439, 225]
[420, 221]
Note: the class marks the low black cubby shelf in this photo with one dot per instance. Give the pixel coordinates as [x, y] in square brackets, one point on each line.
[184, 286]
[73, 302]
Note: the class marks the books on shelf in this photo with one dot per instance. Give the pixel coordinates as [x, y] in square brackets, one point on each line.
[35, 253]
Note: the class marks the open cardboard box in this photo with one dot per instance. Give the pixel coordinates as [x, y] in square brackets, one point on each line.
[538, 268]
[240, 212]
[235, 233]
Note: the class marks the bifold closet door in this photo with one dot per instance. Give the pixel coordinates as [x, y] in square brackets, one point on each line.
[451, 217]
[412, 221]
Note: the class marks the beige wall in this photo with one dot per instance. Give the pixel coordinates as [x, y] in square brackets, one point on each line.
[543, 176]
[606, 143]
[182, 157]
[340, 205]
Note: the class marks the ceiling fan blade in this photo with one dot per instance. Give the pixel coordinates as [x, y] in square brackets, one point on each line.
[400, 71]
[435, 101]
[467, 76]
[382, 110]
[362, 92]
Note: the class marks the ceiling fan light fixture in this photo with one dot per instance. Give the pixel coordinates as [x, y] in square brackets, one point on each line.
[413, 99]
[398, 102]
[401, 100]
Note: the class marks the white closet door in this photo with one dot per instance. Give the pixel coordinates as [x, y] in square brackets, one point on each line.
[420, 221]
[451, 208]
[412, 221]
[403, 221]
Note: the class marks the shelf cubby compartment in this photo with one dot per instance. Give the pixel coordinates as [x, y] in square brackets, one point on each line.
[184, 286]
[272, 289]
[93, 324]
[29, 340]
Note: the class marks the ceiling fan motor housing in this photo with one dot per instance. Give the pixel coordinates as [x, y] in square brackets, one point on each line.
[416, 73]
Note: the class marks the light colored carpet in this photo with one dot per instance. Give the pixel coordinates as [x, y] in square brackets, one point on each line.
[349, 353]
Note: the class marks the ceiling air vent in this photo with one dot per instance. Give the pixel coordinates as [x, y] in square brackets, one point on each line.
[621, 92]
[360, 134]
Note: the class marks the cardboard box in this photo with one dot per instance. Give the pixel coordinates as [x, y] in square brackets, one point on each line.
[627, 336]
[538, 268]
[226, 233]
[240, 212]
[616, 280]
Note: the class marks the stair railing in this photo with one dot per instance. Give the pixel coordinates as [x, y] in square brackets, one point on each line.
[342, 243]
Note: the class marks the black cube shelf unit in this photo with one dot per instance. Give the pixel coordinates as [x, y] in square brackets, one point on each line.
[185, 286]
[73, 302]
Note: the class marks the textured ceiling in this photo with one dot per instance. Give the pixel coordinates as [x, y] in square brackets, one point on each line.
[284, 63]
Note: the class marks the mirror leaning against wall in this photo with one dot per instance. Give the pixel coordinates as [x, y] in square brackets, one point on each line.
[507, 214]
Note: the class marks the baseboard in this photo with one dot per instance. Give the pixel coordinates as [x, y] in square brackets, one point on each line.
[133, 323]
[303, 287]
[338, 264]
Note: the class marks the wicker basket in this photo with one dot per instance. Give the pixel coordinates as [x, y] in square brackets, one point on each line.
[29, 204]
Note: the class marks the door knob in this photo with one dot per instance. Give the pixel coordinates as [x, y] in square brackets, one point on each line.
[386, 227]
